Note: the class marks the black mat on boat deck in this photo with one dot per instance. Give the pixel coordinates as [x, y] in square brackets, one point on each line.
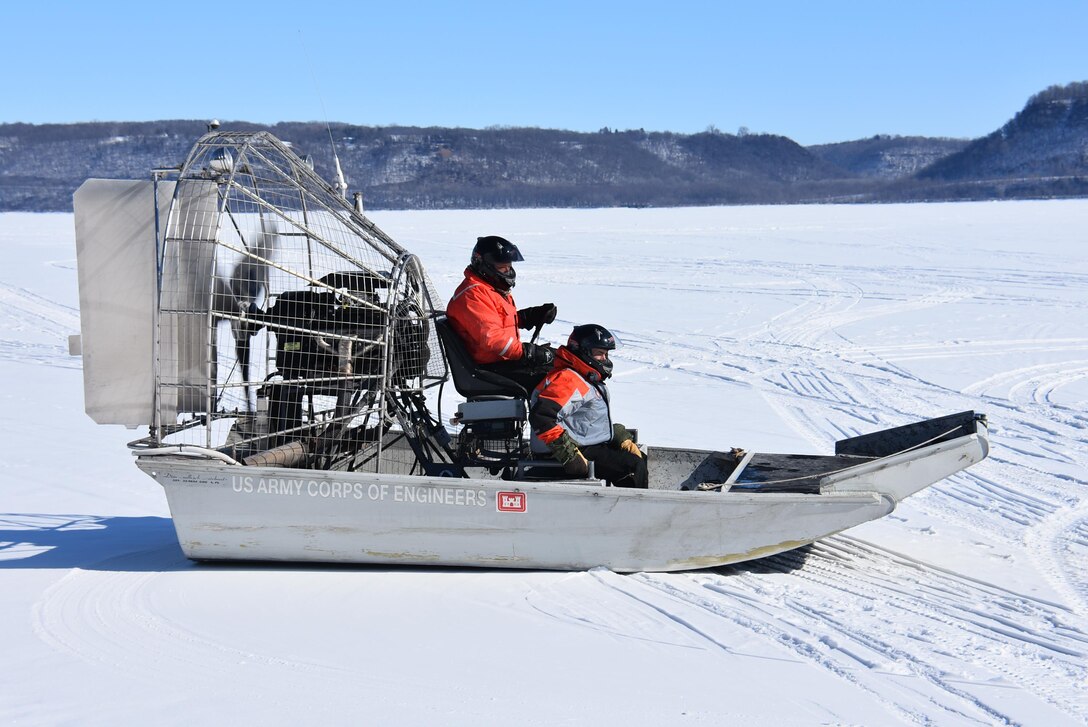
[789, 472]
[898, 439]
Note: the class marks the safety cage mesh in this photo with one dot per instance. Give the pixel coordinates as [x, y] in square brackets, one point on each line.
[288, 323]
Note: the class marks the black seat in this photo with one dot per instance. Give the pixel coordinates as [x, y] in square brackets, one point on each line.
[471, 381]
[476, 384]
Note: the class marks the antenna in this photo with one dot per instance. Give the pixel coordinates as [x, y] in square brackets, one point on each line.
[341, 183]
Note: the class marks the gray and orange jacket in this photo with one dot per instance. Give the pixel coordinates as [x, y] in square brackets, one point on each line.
[486, 320]
[567, 401]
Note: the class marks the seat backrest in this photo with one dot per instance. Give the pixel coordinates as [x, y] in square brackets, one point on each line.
[470, 380]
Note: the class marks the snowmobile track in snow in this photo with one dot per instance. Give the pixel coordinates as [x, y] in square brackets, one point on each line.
[1007, 636]
[22, 310]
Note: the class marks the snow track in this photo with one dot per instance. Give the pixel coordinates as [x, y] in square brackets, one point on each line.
[35, 312]
[121, 618]
[1005, 637]
[35, 329]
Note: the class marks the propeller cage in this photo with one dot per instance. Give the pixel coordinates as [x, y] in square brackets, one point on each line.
[285, 317]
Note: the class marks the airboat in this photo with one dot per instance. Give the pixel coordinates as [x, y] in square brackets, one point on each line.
[287, 358]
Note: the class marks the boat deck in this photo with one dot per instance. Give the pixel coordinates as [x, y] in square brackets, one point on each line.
[788, 472]
[680, 469]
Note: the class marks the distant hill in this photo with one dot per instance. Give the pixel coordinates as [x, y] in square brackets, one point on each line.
[1046, 141]
[887, 157]
[1042, 152]
[517, 167]
[434, 168]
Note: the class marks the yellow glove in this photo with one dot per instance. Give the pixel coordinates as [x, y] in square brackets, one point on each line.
[628, 445]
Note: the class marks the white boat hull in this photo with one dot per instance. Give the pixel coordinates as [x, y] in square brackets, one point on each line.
[222, 511]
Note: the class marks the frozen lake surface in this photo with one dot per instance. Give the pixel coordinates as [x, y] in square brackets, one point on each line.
[770, 328]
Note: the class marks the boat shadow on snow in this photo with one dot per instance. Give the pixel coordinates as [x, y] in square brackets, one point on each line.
[89, 542]
[787, 562]
[149, 544]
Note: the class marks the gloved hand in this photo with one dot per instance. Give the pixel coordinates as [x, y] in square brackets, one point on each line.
[537, 315]
[577, 467]
[566, 452]
[537, 355]
[620, 434]
[628, 445]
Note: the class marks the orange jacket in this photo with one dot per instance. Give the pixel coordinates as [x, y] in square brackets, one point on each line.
[567, 401]
[486, 319]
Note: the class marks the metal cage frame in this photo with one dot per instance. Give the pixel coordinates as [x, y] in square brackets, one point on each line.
[321, 307]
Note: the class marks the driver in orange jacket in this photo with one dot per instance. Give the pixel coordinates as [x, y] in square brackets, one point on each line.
[483, 314]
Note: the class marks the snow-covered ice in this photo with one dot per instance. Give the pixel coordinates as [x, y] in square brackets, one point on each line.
[771, 328]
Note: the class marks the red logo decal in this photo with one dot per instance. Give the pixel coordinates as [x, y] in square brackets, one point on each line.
[511, 502]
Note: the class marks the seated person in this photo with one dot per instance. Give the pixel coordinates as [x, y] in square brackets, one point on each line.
[483, 314]
[570, 413]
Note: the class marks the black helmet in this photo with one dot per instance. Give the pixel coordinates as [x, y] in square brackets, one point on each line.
[487, 253]
[583, 339]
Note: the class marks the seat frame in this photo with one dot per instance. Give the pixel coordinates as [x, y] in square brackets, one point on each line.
[480, 385]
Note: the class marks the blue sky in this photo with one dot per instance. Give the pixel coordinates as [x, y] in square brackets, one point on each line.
[813, 71]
